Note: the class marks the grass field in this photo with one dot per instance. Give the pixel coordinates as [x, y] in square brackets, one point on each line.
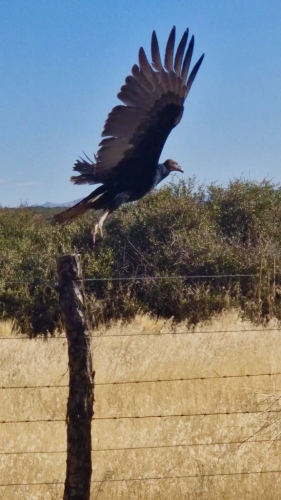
[179, 414]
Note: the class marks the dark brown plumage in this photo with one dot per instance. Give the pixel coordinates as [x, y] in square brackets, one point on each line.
[134, 133]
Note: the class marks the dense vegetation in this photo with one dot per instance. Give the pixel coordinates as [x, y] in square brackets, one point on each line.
[179, 230]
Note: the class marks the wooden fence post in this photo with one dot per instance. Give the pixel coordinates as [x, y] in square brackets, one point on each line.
[81, 378]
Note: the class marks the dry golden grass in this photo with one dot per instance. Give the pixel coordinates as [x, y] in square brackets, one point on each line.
[216, 438]
[5, 329]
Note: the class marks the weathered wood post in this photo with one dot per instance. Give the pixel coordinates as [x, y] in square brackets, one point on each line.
[81, 378]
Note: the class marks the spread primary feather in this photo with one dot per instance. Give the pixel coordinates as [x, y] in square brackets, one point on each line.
[127, 162]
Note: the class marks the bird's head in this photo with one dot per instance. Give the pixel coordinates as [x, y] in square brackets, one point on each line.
[172, 166]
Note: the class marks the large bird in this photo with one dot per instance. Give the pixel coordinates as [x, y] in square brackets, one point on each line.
[127, 162]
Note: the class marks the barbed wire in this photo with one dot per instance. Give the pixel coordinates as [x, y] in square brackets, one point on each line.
[33, 421]
[21, 387]
[199, 476]
[146, 334]
[45, 483]
[36, 281]
[185, 277]
[178, 415]
[155, 478]
[129, 382]
[140, 417]
[187, 445]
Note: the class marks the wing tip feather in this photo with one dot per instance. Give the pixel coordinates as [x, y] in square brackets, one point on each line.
[148, 79]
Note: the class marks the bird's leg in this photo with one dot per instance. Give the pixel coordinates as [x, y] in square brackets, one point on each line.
[95, 232]
[102, 220]
[99, 226]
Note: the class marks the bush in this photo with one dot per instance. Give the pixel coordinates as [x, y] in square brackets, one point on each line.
[179, 230]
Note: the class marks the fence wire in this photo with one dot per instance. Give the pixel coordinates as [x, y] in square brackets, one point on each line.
[155, 381]
[136, 278]
[145, 334]
[141, 417]
[127, 448]
[143, 479]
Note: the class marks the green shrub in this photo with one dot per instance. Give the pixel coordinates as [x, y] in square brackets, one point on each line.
[179, 230]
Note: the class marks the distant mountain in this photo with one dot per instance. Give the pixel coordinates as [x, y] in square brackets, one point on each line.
[49, 204]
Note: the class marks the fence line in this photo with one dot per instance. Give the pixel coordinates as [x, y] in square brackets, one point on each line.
[187, 277]
[141, 334]
[191, 414]
[140, 417]
[146, 447]
[167, 478]
[138, 278]
[218, 377]
[198, 476]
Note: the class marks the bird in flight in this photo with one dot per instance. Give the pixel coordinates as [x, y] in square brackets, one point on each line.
[127, 162]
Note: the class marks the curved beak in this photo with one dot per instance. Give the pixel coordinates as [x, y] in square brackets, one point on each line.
[176, 168]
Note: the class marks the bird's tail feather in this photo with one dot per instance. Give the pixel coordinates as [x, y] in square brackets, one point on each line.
[70, 214]
[80, 208]
[86, 170]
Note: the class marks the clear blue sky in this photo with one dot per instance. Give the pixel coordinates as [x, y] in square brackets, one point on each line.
[62, 63]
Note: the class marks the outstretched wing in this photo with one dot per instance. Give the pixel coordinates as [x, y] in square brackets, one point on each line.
[153, 98]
